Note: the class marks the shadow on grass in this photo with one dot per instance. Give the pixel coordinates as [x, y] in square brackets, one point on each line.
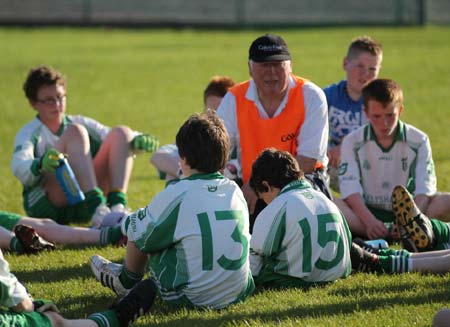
[52, 275]
[316, 311]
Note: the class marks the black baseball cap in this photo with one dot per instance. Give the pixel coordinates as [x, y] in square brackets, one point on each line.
[269, 47]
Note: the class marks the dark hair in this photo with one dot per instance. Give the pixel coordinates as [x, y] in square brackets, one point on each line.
[40, 76]
[364, 44]
[218, 86]
[385, 91]
[203, 142]
[278, 168]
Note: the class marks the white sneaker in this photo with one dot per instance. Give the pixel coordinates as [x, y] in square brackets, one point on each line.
[119, 207]
[107, 273]
[118, 212]
[99, 214]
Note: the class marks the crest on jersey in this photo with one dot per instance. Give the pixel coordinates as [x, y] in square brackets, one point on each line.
[307, 195]
[342, 168]
[212, 188]
[404, 164]
[366, 165]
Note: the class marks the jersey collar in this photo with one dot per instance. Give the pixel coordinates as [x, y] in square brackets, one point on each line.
[299, 184]
[369, 135]
[208, 176]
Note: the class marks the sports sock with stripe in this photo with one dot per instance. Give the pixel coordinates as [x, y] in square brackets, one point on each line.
[110, 235]
[395, 263]
[105, 319]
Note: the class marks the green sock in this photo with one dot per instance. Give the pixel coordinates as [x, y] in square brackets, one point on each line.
[441, 232]
[389, 251]
[110, 235]
[15, 245]
[395, 263]
[116, 197]
[94, 198]
[105, 319]
[129, 278]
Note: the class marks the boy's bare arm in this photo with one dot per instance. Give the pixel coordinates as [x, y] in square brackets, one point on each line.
[374, 227]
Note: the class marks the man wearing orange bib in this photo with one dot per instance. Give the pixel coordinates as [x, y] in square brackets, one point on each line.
[277, 109]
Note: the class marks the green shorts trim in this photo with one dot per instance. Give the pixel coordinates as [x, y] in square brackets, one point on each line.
[8, 219]
[183, 300]
[37, 205]
[270, 279]
[23, 319]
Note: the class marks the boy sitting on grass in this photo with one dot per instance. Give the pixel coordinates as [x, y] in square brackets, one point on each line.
[381, 155]
[194, 234]
[300, 238]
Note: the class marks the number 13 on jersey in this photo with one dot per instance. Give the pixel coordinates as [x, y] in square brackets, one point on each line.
[236, 236]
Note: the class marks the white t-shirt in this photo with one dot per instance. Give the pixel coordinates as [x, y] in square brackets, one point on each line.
[12, 291]
[35, 138]
[313, 136]
[368, 169]
[197, 234]
[301, 234]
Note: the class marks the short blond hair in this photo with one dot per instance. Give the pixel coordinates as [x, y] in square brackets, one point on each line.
[364, 44]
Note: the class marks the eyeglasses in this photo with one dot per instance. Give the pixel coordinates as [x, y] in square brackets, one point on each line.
[53, 101]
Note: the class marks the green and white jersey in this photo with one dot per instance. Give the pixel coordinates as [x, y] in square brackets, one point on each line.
[12, 292]
[372, 171]
[301, 234]
[35, 138]
[197, 234]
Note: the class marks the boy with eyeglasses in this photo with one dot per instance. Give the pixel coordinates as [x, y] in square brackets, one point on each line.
[101, 157]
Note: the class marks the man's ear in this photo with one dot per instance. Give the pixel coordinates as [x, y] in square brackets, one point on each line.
[250, 68]
[400, 110]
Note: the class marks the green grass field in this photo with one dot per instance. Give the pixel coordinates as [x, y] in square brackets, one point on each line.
[152, 80]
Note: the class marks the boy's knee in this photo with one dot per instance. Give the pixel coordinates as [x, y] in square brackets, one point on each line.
[121, 132]
[442, 318]
[76, 131]
[46, 222]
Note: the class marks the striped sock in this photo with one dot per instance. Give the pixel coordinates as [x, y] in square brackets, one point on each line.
[389, 251]
[395, 263]
[110, 235]
[105, 319]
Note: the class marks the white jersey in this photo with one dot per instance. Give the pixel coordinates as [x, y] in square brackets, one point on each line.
[197, 234]
[12, 292]
[313, 136]
[301, 234]
[368, 169]
[35, 138]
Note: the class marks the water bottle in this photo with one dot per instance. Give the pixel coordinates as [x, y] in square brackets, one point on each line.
[66, 178]
[378, 244]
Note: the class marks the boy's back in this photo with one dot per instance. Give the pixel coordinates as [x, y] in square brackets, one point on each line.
[197, 233]
[302, 234]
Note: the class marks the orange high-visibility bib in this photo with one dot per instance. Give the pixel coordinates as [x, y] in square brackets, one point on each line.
[257, 134]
